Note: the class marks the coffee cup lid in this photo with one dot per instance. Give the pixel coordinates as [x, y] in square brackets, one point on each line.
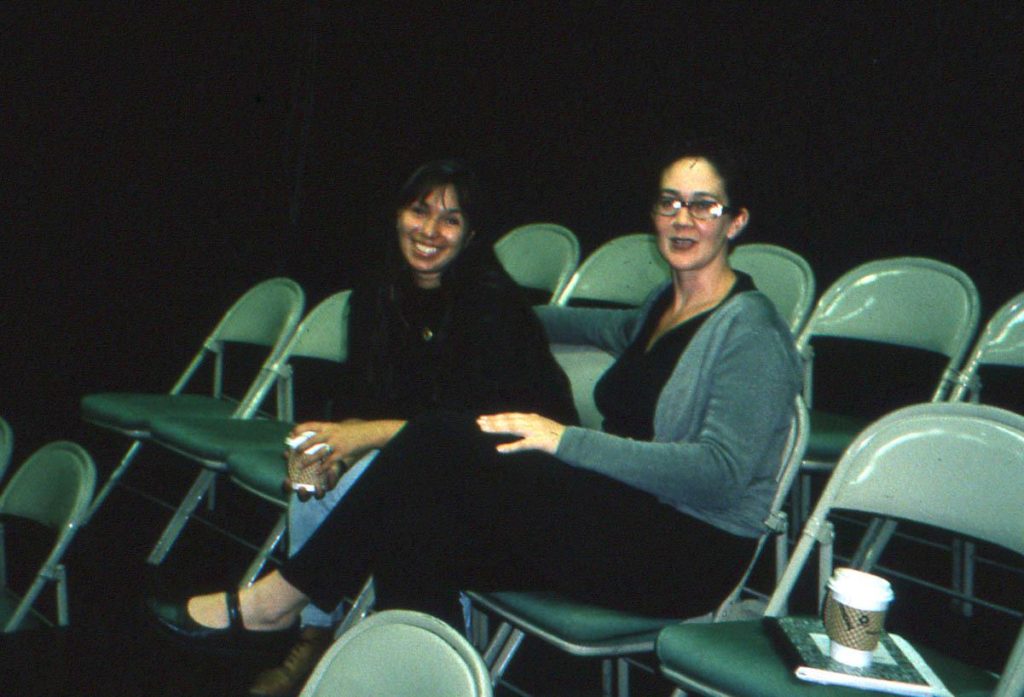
[860, 590]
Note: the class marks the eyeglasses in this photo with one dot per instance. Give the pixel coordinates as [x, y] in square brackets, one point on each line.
[700, 208]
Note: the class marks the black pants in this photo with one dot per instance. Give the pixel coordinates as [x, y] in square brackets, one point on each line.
[441, 511]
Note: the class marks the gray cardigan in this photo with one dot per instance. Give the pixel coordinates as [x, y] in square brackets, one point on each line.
[721, 421]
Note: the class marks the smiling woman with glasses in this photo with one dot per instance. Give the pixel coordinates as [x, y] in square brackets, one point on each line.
[656, 513]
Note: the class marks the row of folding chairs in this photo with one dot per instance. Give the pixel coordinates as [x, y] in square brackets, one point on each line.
[52, 488]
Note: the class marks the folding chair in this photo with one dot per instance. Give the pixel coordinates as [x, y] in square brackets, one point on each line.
[539, 256]
[588, 631]
[911, 302]
[399, 653]
[265, 315]
[1001, 343]
[6, 446]
[956, 467]
[53, 488]
[784, 276]
[621, 272]
[322, 335]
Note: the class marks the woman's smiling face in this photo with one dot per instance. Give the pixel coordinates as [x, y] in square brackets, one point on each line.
[431, 234]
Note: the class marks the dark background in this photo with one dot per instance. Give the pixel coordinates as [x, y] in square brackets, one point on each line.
[161, 157]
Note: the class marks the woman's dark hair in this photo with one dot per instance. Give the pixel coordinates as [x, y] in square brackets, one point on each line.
[385, 322]
[732, 170]
[439, 173]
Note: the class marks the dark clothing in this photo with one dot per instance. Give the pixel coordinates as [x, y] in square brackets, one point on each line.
[473, 344]
[626, 395]
[441, 511]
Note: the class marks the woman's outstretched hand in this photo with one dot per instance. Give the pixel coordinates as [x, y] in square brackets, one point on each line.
[535, 432]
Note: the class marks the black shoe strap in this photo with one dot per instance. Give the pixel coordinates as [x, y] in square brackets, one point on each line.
[234, 611]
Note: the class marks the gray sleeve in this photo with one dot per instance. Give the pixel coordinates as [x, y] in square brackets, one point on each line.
[610, 330]
[750, 381]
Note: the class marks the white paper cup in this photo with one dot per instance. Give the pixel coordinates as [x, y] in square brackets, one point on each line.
[854, 615]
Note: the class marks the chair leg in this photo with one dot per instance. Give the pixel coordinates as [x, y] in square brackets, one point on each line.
[112, 481]
[361, 607]
[269, 545]
[623, 677]
[60, 577]
[964, 553]
[876, 538]
[177, 523]
[501, 650]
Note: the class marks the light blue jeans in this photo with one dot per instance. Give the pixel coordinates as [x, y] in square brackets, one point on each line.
[303, 520]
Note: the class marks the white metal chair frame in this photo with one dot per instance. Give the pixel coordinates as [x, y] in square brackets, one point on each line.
[400, 653]
[517, 251]
[75, 468]
[287, 300]
[782, 275]
[854, 307]
[955, 466]
[622, 271]
[1001, 343]
[321, 334]
[615, 653]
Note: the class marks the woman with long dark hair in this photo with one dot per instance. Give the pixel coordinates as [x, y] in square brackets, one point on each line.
[440, 326]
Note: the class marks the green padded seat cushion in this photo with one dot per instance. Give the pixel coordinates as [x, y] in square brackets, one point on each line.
[742, 658]
[136, 412]
[574, 622]
[216, 439]
[831, 434]
[262, 470]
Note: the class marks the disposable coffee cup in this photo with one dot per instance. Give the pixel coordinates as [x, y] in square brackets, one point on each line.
[302, 478]
[854, 615]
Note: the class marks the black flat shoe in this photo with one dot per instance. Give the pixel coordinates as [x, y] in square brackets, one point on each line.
[173, 620]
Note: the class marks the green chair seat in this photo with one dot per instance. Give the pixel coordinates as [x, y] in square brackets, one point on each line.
[831, 434]
[261, 471]
[569, 623]
[126, 411]
[213, 440]
[743, 658]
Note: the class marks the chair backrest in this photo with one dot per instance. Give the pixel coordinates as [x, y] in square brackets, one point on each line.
[540, 256]
[954, 466]
[266, 315]
[400, 653]
[6, 446]
[784, 276]
[776, 522]
[905, 301]
[622, 271]
[322, 334]
[583, 365]
[1000, 343]
[53, 487]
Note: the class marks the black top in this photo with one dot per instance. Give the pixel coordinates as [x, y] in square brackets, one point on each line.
[628, 392]
[473, 344]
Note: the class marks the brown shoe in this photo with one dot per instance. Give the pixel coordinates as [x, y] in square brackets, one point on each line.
[288, 678]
